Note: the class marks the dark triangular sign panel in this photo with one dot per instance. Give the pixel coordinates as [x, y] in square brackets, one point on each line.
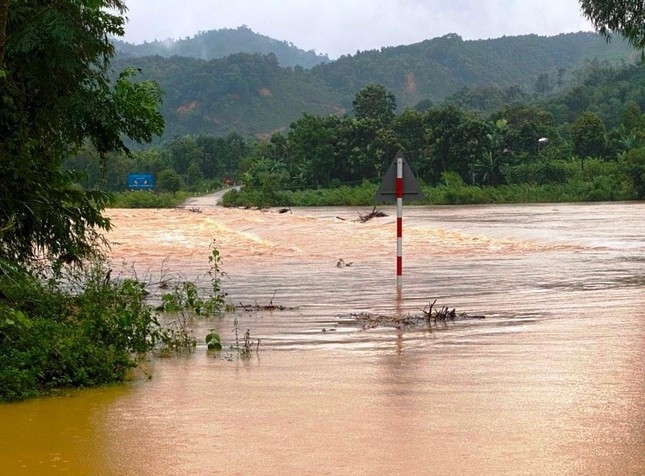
[387, 190]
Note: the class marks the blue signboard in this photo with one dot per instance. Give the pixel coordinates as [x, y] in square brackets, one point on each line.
[141, 181]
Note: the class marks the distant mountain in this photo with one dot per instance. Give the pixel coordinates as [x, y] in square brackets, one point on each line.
[215, 44]
[437, 68]
[253, 94]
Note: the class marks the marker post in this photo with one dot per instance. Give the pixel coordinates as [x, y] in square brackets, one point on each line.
[399, 182]
[399, 223]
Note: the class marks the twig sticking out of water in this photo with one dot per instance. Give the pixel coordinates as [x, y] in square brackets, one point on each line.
[373, 214]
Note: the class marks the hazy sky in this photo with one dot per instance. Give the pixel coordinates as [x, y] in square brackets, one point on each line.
[338, 27]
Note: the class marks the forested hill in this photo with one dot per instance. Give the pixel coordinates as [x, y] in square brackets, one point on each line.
[254, 95]
[437, 68]
[214, 44]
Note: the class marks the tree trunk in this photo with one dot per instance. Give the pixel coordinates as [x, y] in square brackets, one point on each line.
[4, 13]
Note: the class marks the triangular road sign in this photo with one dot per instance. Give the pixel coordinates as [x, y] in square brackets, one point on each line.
[387, 190]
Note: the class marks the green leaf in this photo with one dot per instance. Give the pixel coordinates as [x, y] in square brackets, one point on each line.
[214, 346]
[213, 338]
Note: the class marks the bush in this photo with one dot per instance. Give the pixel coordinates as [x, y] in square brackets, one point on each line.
[539, 173]
[146, 199]
[75, 329]
[359, 195]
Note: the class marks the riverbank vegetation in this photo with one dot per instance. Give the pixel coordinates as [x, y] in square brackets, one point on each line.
[587, 143]
[76, 328]
[64, 321]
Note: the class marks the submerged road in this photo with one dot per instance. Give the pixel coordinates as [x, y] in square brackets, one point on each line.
[210, 200]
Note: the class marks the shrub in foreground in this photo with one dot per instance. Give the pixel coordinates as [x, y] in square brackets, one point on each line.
[75, 329]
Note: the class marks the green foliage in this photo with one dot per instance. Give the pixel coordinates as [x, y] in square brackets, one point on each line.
[248, 94]
[169, 180]
[146, 199]
[374, 102]
[633, 162]
[186, 295]
[626, 17]
[321, 153]
[78, 328]
[252, 95]
[244, 349]
[56, 96]
[539, 172]
[213, 341]
[588, 136]
[601, 88]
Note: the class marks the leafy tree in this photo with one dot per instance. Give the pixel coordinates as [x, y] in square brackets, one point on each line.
[183, 151]
[221, 156]
[409, 127]
[56, 95]
[266, 175]
[626, 17]
[168, 180]
[472, 144]
[523, 127]
[491, 162]
[367, 149]
[634, 163]
[194, 174]
[632, 119]
[441, 136]
[375, 102]
[312, 144]
[588, 136]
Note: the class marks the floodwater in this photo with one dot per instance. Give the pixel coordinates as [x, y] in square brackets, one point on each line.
[551, 382]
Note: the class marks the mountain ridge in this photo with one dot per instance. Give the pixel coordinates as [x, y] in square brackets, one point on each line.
[213, 44]
[254, 94]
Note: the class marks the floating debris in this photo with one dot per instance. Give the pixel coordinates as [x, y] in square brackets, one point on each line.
[429, 316]
[267, 307]
[375, 213]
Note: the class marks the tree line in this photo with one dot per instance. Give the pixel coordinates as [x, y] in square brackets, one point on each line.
[535, 143]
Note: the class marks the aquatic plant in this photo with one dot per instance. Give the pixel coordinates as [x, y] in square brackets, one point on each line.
[213, 341]
[246, 349]
[186, 296]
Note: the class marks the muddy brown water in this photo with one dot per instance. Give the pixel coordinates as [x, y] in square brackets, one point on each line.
[552, 382]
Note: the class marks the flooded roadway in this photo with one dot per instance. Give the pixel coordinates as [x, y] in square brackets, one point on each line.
[552, 382]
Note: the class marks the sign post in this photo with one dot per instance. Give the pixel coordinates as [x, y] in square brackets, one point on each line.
[399, 182]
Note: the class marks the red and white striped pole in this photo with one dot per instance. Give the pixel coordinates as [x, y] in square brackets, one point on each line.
[399, 222]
